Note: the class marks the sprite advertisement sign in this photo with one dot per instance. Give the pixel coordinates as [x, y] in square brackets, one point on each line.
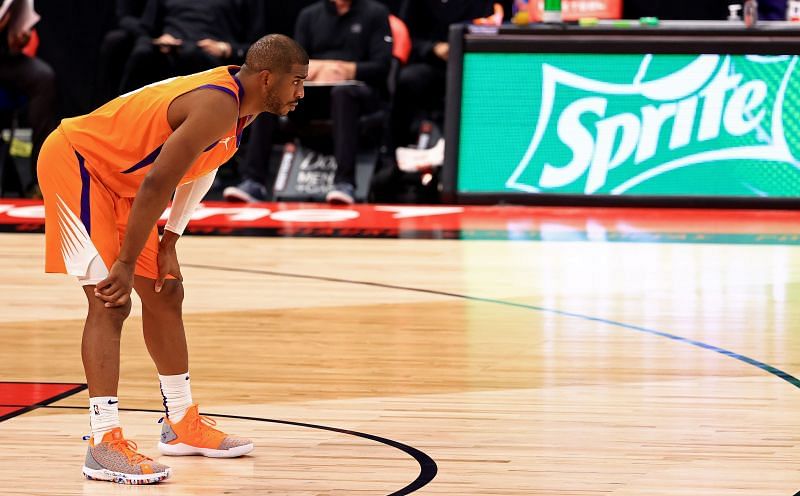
[620, 124]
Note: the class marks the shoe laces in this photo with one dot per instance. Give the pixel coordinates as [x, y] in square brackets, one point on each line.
[204, 426]
[128, 448]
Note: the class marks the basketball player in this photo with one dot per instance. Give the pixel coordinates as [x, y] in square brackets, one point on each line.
[106, 178]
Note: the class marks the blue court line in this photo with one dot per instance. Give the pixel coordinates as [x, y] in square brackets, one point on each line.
[794, 381]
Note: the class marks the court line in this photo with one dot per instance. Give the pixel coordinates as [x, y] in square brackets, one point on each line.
[427, 467]
[794, 381]
[53, 399]
[750, 361]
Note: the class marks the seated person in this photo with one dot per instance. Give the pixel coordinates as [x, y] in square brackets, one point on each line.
[187, 36]
[346, 40]
[421, 83]
[30, 76]
[116, 48]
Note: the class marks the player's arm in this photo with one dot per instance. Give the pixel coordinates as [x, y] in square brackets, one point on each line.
[184, 203]
[199, 118]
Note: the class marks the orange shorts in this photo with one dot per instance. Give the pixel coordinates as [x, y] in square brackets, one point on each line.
[83, 218]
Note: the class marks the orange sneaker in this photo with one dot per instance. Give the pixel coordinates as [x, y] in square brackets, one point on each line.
[115, 459]
[195, 435]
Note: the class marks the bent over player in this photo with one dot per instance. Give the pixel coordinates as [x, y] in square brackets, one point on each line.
[106, 178]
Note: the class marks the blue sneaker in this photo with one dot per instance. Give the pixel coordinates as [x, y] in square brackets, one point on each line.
[341, 194]
[248, 191]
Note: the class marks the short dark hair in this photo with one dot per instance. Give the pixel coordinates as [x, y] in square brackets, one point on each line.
[274, 52]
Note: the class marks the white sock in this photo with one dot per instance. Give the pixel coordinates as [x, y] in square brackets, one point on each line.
[103, 415]
[177, 393]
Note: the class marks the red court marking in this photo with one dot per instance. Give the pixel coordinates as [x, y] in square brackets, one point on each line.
[24, 394]
[5, 410]
[28, 215]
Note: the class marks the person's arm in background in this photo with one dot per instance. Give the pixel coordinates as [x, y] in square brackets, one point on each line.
[303, 35]
[199, 118]
[418, 22]
[253, 12]
[152, 18]
[18, 36]
[129, 13]
[244, 21]
[375, 69]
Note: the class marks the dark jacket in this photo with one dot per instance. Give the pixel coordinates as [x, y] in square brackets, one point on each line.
[362, 36]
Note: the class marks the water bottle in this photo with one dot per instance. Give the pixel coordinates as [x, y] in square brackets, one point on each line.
[750, 13]
[424, 139]
[552, 11]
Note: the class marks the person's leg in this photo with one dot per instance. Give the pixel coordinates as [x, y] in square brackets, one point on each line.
[419, 87]
[348, 104]
[109, 456]
[81, 240]
[100, 344]
[164, 336]
[145, 65]
[34, 78]
[184, 430]
[162, 321]
[189, 59]
[255, 163]
[114, 52]
[257, 178]
[100, 351]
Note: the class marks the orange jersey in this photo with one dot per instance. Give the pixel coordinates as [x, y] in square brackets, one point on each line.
[120, 141]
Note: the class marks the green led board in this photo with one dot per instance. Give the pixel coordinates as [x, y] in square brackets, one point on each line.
[622, 124]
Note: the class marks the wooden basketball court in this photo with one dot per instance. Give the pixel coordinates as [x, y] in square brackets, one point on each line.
[550, 352]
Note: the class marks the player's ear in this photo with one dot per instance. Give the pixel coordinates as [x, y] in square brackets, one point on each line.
[265, 77]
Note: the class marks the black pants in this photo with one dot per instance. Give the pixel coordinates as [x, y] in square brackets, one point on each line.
[147, 64]
[114, 54]
[35, 79]
[343, 105]
[420, 90]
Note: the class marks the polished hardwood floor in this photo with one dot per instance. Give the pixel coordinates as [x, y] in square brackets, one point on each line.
[439, 367]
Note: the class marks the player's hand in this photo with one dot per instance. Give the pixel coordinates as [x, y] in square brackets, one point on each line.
[219, 49]
[115, 289]
[167, 262]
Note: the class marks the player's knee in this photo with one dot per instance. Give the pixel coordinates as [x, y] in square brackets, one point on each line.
[114, 315]
[170, 297]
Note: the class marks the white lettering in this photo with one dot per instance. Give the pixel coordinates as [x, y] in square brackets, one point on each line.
[578, 139]
[744, 101]
[684, 123]
[605, 158]
[314, 215]
[32, 212]
[714, 101]
[409, 212]
[653, 118]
